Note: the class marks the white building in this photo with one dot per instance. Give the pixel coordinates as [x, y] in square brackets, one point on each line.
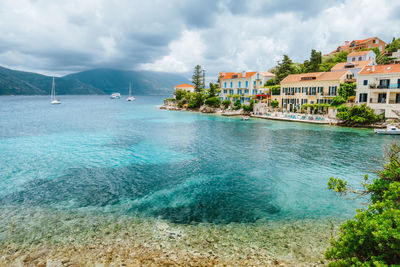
[242, 85]
[187, 87]
[379, 87]
[356, 61]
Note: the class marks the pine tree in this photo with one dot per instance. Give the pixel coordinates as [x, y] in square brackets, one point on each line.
[284, 68]
[197, 78]
[313, 64]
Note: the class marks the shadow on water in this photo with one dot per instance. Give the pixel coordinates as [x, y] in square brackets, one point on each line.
[157, 190]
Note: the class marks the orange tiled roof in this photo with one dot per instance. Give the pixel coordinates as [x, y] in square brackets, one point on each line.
[319, 76]
[358, 53]
[184, 85]
[392, 68]
[229, 75]
[357, 65]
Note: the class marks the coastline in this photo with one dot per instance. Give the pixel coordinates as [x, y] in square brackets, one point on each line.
[85, 239]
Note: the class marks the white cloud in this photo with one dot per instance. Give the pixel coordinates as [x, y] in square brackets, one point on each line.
[65, 36]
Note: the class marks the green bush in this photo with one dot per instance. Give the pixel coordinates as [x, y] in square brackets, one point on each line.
[270, 82]
[347, 89]
[337, 101]
[237, 105]
[213, 102]
[195, 100]
[372, 238]
[181, 103]
[275, 90]
[226, 103]
[358, 115]
[248, 108]
[180, 94]
[274, 103]
[170, 99]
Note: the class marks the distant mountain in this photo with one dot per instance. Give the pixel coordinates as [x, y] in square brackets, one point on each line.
[97, 81]
[143, 82]
[14, 82]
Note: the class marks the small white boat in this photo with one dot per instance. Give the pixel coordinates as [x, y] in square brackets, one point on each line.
[130, 98]
[245, 118]
[115, 96]
[53, 99]
[391, 129]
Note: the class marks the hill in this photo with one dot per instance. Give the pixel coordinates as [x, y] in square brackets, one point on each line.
[143, 82]
[97, 81]
[13, 82]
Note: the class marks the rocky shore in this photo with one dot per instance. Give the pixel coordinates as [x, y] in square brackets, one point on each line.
[66, 239]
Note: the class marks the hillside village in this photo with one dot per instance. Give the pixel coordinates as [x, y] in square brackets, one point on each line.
[361, 73]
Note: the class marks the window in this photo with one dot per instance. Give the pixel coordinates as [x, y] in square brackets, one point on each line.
[231, 92]
[231, 84]
[320, 89]
[246, 91]
[332, 90]
[353, 59]
[258, 75]
[359, 58]
[225, 85]
[239, 84]
[254, 83]
[398, 83]
[260, 82]
[247, 84]
[254, 92]
[239, 91]
[313, 91]
[225, 91]
[397, 98]
[382, 98]
[365, 82]
[304, 90]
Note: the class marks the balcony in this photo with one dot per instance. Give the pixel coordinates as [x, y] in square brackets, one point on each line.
[385, 86]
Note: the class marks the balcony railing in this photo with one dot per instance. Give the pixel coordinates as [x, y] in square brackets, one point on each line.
[390, 86]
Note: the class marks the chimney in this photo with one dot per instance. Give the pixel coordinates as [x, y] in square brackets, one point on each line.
[243, 74]
[346, 42]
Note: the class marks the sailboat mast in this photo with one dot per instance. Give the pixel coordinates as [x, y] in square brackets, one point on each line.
[130, 89]
[53, 92]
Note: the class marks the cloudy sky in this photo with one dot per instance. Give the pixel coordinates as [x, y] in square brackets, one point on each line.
[58, 37]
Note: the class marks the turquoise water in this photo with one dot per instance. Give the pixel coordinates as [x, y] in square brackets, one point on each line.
[93, 154]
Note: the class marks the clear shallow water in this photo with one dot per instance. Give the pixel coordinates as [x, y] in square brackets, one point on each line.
[111, 156]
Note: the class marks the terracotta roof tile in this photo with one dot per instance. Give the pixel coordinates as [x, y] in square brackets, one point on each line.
[229, 75]
[319, 76]
[357, 65]
[392, 68]
[184, 85]
[358, 53]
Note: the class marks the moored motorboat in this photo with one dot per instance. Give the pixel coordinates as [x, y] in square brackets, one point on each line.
[115, 96]
[245, 118]
[391, 129]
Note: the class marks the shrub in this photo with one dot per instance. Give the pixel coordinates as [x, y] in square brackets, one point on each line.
[195, 100]
[337, 101]
[226, 103]
[347, 89]
[358, 115]
[180, 94]
[248, 108]
[372, 238]
[274, 103]
[213, 102]
[237, 105]
[270, 82]
[275, 90]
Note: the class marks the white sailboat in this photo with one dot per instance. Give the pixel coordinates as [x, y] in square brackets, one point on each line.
[53, 94]
[130, 98]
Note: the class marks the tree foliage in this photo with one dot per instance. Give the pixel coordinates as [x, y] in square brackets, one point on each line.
[394, 45]
[213, 90]
[329, 61]
[358, 115]
[337, 101]
[284, 68]
[274, 103]
[213, 102]
[226, 103]
[372, 238]
[237, 105]
[313, 65]
[180, 94]
[197, 79]
[270, 82]
[347, 89]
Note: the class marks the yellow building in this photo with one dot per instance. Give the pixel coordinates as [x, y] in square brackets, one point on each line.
[310, 88]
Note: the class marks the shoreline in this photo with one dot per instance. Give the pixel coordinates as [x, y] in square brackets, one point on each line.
[86, 239]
